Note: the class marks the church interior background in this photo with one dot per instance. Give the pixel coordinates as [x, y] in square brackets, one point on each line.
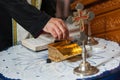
[105, 25]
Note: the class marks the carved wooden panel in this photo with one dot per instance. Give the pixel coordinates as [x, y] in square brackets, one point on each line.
[100, 36]
[107, 26]
[98, 25]
[114, 36]
[99, 6]
[85, 2]
[107, 20]
[106, 6]
[113, 20]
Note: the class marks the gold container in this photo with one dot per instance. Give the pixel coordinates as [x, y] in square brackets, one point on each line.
[63, 50]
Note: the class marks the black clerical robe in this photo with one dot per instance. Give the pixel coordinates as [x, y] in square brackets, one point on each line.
[26, 15]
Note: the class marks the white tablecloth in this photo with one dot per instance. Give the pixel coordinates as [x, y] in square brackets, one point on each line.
[20, 63]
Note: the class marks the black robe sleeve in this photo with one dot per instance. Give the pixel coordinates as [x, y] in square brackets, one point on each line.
[26, 15]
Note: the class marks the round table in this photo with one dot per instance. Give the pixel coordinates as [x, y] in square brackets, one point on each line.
[18, 62]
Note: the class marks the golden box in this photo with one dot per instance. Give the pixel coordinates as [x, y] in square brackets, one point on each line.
[63, 50]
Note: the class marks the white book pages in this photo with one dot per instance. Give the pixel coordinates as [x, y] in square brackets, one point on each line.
[38, 43]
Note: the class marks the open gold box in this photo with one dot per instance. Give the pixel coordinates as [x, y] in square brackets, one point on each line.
[63, 50]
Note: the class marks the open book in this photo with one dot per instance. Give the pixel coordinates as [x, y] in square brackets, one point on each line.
[43, 40]
[37, 44]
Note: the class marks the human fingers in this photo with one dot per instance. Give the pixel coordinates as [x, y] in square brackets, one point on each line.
[67, 31]
[57, 30]
[63, 28]
[49, 29]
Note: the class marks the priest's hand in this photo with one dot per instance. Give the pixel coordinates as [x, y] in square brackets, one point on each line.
[57, 28]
